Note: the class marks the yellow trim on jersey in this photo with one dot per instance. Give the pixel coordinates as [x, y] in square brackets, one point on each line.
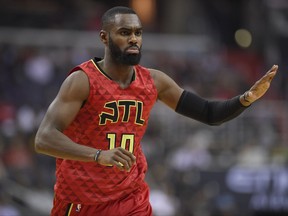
[102, 72]
[70, 209]
[99, 69]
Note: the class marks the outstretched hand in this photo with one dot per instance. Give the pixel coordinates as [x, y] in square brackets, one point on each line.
[259, 88]
[118, 157]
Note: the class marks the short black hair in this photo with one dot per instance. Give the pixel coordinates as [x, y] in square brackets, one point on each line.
[109, 15]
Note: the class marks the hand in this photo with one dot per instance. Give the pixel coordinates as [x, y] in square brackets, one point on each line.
[118, 157]
[259, 88]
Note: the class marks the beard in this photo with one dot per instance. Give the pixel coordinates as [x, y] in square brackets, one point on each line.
[122, 57]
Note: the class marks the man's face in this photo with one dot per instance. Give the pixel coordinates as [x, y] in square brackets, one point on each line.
[125, 39]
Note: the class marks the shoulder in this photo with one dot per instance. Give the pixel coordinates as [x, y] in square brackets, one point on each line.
[155, 73]
[168, 90]
[159, 77]
[86, 67]
[144, 71]
[77, 76]
[76, 84]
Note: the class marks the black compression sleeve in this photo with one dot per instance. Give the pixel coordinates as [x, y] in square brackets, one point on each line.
[208, 112]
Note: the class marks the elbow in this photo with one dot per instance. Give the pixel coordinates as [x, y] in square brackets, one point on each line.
[39, 144]
[214, 124]
[211, 123]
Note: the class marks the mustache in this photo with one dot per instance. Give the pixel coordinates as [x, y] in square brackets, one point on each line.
[133, 46]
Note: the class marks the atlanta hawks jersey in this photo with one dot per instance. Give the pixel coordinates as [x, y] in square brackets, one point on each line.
[111, 117]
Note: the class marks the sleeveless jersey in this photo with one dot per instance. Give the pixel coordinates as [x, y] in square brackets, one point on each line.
[111, 117]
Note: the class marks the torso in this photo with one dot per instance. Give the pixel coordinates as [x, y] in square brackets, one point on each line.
[111, 117]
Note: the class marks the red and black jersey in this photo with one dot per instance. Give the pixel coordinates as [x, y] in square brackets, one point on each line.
[111, 117]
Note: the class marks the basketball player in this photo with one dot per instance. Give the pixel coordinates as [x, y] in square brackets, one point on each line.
[95, 124]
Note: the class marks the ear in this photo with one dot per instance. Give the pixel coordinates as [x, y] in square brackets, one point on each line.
[104, 36]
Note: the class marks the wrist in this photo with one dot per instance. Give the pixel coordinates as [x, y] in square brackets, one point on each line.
[244, 99]
[96, 156]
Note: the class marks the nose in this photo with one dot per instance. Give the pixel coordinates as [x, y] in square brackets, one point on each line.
[133, 39]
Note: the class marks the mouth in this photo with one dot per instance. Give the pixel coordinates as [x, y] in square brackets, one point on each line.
[132, 50]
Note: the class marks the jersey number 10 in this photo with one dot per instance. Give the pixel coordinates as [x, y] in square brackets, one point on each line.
[127, 142]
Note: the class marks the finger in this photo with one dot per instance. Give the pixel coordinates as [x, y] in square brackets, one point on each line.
[118, 165]
[124, 161]
[128, 160]
[273, 69]
[269, 75]
[128, 154]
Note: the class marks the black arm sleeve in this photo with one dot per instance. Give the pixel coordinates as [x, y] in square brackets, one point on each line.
[208, 112]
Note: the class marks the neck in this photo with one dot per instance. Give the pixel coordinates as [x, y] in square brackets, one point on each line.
[120, 73]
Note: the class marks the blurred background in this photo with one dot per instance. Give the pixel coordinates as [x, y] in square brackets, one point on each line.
[215, 48]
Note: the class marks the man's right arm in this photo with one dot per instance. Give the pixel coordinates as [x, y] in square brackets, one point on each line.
[50, 139]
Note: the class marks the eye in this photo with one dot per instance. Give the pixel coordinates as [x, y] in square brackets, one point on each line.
[138, 33]
[124, 33]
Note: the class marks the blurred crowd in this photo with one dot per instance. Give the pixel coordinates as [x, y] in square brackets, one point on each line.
[32, 76]
[187, 160]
